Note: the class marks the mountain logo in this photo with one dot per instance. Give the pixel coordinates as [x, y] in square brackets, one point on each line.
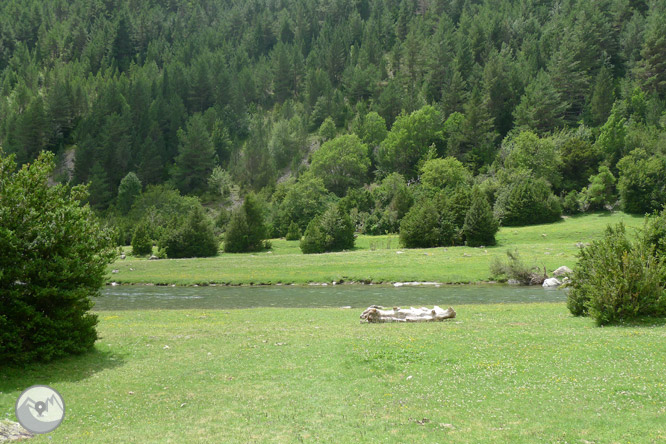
[40, 409]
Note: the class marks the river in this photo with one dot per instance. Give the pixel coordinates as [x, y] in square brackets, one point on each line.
[356, 296]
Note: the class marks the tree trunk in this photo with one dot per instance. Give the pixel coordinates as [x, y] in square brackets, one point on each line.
[376, 314]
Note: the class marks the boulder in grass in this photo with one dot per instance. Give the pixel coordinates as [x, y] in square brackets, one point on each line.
[551, 283]
[562, 271]
[378, 314]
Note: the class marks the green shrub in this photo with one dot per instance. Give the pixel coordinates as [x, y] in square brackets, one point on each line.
[514, 268]
[293, 233]
[526, 200]
[481, 225]
[332, 231]
[53, 258]
[142, 244]
[195, 238]
[428, 224]
[246, 230]
[571, 203]
[617, 280]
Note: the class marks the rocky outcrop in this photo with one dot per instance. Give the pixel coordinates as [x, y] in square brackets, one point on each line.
[12, 431]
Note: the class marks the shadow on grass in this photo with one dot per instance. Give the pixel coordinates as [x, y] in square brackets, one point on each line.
[69, 369]
[641, 323]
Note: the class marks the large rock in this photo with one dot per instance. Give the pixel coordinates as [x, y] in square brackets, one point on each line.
[551, 283]
[12, 431]
[562, 271]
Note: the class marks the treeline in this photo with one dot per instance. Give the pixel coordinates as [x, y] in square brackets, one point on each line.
[391, 110]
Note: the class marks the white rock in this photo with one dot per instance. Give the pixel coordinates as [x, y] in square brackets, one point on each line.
[551, 282]
[562, 271]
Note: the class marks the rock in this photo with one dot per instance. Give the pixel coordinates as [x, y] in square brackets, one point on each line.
[513, 282]
[113, 284]
[562, 271]
[153, 258]
[122, 256]
[551, 282]
[12, 431]
[115, 271]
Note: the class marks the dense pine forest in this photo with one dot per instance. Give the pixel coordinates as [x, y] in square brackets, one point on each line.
[437, 119]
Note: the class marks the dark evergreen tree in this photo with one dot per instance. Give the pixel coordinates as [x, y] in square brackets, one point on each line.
[142, 244]
[128, 191]
[480, 223]
[196, 157]
[195, 238]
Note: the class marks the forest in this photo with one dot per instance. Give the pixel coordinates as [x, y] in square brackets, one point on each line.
[437, 119]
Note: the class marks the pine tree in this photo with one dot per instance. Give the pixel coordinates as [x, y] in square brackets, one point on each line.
[541, 107]
[100, 191]
[246, 230]
[142, 244]
[480, 224]
[128, 190]
[195, 238]
[293, 233]
[603, 97]
[196, 157]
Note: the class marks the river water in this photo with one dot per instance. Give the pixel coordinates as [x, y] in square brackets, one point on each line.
[356, 296]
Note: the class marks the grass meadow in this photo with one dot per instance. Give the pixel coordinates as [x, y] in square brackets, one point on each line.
[519, 373]
[375, 259]
[497, 373]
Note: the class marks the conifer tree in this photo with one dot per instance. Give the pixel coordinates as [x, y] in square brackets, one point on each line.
[196, 157]
[481, 225]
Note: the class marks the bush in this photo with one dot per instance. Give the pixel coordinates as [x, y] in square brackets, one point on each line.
[480, 223]
[293, 233]
[428, 224]
[142, 244]
[53, 258]
[526, 200]
[514, 268]
[246, 230]
[195, 238]
[571, 203]
[617, 280]
[332, 231]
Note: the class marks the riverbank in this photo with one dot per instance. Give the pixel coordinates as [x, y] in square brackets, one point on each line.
[376, 259]
[495, 373]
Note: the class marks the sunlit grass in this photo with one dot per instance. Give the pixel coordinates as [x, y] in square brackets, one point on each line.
[519, 373]
[376, 259]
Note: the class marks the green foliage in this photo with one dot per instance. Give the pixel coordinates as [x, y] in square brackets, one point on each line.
[617, 279]
[515, 269]
[409, 139]
[196, 157]
[294, 232]
[332, 231]
[541, 108]
[142, 244]
[247, 229]
[480, 223]
[580, 160]
[528, 151]
[600, 193]
[445, 174]
[427, 224]
[642, 182]
[341, 163]
[526, 200]
[128, 191]
[53, 258]
[327, 129]
[220, 182]
[571, 204]
[373, 129]
[303, 201]
[195, 238]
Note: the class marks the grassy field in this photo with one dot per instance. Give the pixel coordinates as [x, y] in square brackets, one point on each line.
[522, 373]
[376, 259]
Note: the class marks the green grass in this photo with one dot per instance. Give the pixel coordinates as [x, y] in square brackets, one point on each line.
[520, 373]
[375, 259]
